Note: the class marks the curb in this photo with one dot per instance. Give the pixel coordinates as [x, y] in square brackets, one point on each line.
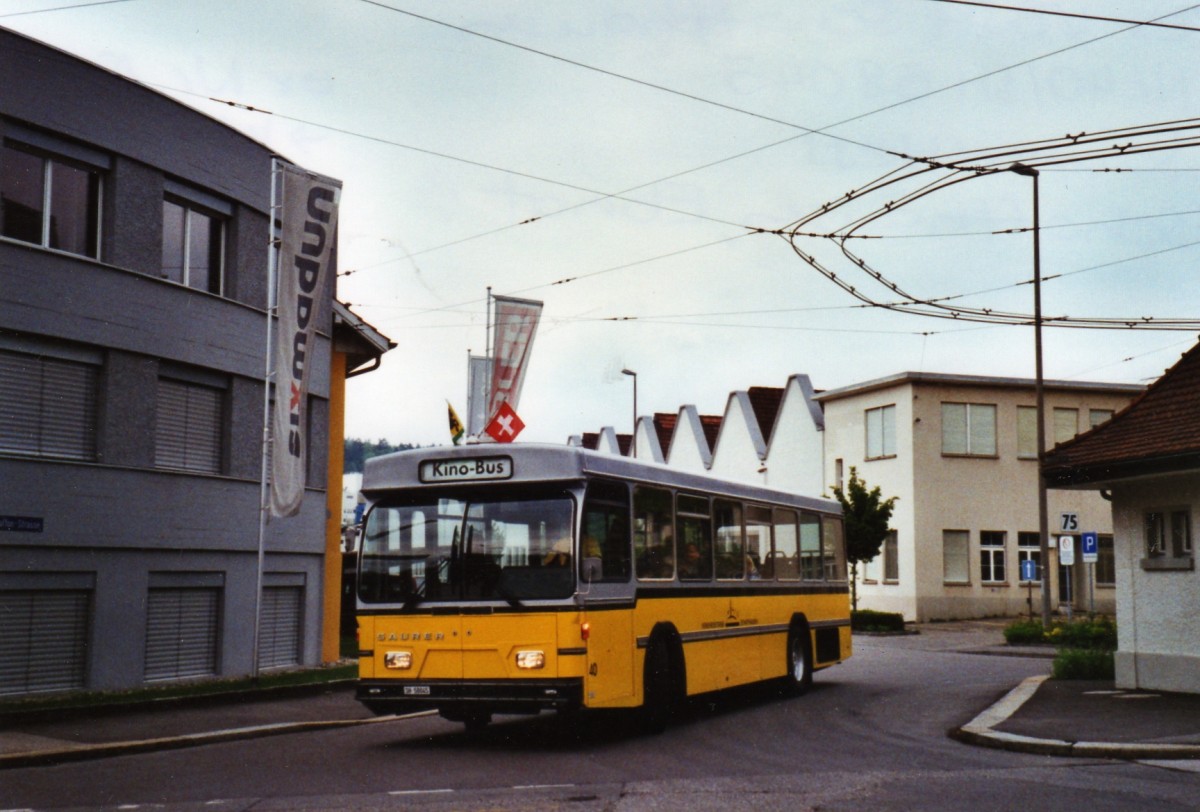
[86, 752]
[980, 731]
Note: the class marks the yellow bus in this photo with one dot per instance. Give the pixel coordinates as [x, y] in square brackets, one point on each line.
[520, 578]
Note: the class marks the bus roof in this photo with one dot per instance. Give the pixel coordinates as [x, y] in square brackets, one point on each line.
[484, 464]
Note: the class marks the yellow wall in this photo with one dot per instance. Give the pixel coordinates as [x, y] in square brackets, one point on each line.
[332, 613]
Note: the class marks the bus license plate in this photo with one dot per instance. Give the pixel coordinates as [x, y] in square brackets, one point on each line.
[416, 690]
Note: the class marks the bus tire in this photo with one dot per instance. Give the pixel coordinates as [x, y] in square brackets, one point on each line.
[658, 688]
[799, 659]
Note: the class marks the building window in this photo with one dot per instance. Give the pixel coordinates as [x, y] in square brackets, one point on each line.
[1106, 562]
[44, 638]
[188, 428]
[1066, 424]
[1027, 441]
[47, 405]
[1029, 548]
[181, 633]
[881, 432]
[49, 201]
[1098, 416]
[991, 557]
[956, 556]
[969, 429]
[891, 559]
[280, 639]
[870, 570]
[193, 246]
[1168, 534]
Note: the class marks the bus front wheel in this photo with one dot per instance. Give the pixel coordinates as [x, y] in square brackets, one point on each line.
[799, 660]
[658, 688]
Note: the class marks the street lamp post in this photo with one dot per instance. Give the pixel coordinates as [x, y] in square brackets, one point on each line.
[633, 440]
[1039, 388]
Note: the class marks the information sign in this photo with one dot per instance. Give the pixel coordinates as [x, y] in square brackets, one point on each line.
[1028, 570]
[1066, 550]
[1068, 522]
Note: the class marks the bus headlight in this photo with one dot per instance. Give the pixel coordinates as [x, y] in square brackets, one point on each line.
[531, 659]
[397, 660]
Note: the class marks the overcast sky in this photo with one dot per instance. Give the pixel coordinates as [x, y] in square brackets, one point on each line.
[699, 116]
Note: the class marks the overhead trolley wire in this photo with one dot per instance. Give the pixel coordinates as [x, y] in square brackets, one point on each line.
[1072, 14]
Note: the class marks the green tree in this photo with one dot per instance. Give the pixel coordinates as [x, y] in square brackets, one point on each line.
[866, 515]
[358, 451]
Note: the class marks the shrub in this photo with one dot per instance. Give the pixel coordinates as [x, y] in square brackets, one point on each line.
[1024, 632]
[1099, 633]
[1083, 663]
[868, 620]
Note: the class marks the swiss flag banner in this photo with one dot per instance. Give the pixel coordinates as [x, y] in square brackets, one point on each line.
[505, 425]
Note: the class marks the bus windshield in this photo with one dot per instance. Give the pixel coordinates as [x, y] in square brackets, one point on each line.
[454, 550]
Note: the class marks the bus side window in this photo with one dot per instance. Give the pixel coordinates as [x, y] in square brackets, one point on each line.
[693, 539]
[604, 543]
[835, 549]
[785, 552]
[760, 564]
[731, 544]
[811, 568]
[653, 539]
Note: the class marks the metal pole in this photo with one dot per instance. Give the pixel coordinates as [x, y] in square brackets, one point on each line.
[264, 506]
[633, 440]
[1043, 510]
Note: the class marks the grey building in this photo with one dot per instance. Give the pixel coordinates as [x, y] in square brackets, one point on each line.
[133, 285]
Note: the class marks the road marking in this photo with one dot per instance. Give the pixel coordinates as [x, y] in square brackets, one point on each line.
[419, 791]
[544, 786]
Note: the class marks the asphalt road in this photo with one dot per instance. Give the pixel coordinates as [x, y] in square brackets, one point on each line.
[870, 735]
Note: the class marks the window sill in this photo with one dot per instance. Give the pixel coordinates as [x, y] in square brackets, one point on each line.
[1166, 563]
[956, 583]
[950, 456]
[996, 584]
[875, 459]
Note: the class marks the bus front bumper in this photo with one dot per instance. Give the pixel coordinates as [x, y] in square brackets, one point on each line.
[493, 696]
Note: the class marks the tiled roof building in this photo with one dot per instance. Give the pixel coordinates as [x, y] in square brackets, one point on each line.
[1157, 433]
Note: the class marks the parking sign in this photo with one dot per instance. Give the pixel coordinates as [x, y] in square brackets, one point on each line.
[1089, 545]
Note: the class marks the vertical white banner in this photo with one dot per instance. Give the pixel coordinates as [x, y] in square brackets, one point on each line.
[516, 321]
[309, 224]
[477, 393]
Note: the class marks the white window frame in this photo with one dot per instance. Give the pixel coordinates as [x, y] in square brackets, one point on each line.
[1027, 447]
[972, 415]
[880, 432]
[962, 557]
[1027, 551]
[993, 557]
[1066, 424]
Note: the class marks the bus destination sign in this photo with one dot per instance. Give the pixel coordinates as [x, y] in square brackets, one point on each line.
[470, 469]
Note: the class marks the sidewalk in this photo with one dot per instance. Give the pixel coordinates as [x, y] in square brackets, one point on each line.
[1061, 718]
[1089, 719]
[54, 737]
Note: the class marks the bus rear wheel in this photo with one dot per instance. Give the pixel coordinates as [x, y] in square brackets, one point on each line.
[799, 660]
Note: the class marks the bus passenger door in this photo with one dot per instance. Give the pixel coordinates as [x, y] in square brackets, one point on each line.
[610, 645]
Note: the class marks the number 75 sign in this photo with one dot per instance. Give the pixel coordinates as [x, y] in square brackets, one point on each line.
[1069, 523]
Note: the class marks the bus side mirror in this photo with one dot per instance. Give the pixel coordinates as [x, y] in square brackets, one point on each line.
[592, 570]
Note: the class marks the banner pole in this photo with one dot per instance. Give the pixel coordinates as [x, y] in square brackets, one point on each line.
[491, 359]
[268, 375]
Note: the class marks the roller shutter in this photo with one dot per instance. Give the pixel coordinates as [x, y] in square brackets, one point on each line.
[280, 628]
[181, 633]
[43, 640]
